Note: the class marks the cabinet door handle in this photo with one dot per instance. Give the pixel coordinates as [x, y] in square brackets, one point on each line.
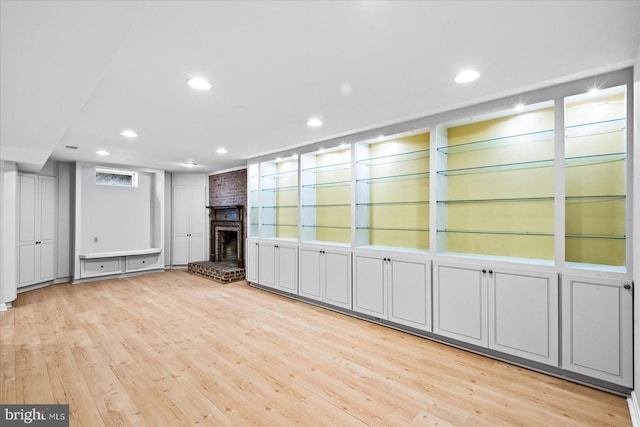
[490, 271]
[144, 262]
[484, 270]
[627, 286]
[102, 266]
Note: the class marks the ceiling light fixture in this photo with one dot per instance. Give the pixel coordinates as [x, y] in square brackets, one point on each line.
[519, 106]
[594, 91]
[199, 83]
[314, 122]
[190, 164]
[102, 153]
[129, 133]
[221, 150]
[467, 76]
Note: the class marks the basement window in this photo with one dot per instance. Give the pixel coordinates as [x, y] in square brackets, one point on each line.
[115, 177]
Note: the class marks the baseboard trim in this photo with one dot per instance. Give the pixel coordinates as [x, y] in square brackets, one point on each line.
[634, 409]
[5, 306]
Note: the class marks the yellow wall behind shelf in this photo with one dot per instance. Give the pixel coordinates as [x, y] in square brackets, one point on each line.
[338, 192]
[404, 213]
[531, 221]
[598, 216]
[287, 200]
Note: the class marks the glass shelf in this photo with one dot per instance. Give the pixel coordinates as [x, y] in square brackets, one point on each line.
[335, 227]
[284, 174]
[279, 225]
[328, 168]
[595, 159]
[514, 199]
[510, 233]
[596, 236]
[328, 184]
[328, 205]
[392, 229]
[499, 168]
[280, 207]
[599, 197]
[417, 202]
[595, 128]
[395, 158]
[278, 189]
[391, 178]
[526, 138]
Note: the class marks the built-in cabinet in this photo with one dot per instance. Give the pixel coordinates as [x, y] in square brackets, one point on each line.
[325, 274]
[37, 229]
[597, 327]
[252, 264]
[508, 202]
[393, 286]
[110, 263]
[278, 266]
[505, 309]
[189, 226]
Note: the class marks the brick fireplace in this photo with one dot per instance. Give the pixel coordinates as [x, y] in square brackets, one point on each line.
[226, 258]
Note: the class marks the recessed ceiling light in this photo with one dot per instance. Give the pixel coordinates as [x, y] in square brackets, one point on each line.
[102, 153]
[190, 164]
[467, 76]
[199, 83]
[519, 107]
[129, 133]
[221, 150]
[314, 122]
[594, 91]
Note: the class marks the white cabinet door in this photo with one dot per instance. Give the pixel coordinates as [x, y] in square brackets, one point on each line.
[460, 303]
[410, 293]
[267, 264]
[279, 266]
[188, 224]
[310, 273]
[37, 230]
[47, 227]
[597, 336]
[27, 214]
[369, 285]
[252, 261]
[337, 278]
[523, 314]
[287, 268]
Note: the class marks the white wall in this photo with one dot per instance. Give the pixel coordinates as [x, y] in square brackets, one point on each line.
[65, 220]
[8, 223]
[636, 222]
[120, 218]
[168, 218]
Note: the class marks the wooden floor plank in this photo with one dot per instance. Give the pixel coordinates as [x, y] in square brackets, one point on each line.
[177, 349]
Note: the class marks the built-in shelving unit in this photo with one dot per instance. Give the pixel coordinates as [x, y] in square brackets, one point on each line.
[489, 226]
[254, 200]
[392, 192]
[279, 198]
[595, 159]
[496, 188]
[325, 196]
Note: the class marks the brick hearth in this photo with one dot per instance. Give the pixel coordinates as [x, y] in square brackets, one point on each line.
[222, 271]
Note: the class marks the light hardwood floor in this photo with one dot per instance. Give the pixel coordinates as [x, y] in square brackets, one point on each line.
[176, 349]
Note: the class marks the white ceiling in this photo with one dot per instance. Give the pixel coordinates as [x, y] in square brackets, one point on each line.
[78, 73]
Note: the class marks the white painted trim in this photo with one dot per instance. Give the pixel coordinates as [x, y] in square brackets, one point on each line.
[5, 306]
[634, 409]
[238, 168]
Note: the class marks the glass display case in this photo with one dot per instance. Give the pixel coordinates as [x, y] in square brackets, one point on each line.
[392, 192]
[595, 188]
[325, 186]
[496, 186]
